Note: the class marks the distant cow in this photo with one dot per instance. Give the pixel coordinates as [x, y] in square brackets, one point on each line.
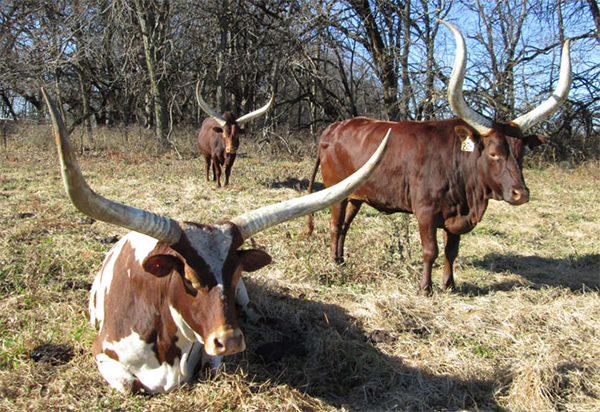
[219, 137]
[164, 299]
[442, 171]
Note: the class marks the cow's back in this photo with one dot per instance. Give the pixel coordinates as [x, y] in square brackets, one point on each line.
[414, 169]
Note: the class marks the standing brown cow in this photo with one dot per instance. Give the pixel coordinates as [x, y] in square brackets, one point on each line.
[442, 171]
[219, 137]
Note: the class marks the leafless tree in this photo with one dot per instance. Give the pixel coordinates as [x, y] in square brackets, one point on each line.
[112, 62]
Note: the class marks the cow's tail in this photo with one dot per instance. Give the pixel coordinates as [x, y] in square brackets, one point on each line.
[310, 224]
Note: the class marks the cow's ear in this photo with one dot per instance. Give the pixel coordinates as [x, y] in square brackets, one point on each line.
[241, 131]
[534, 140]
[253, 259]
[218, 129]
[161, 265]
[463, 132]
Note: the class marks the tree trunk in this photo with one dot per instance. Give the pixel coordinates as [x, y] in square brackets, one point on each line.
[222, 54]
[383, 60]
[152, 26]
[84, 91]
[596, 15]
[426, 108]
[405, 75]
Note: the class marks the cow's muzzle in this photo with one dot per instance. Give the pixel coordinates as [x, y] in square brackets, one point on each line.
[517, 196]
[225, 342]
[231, 150]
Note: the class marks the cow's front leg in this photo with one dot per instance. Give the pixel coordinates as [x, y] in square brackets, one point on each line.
[451, 245]
[212, 364]
[118, 376]
[217, 171]
[427, 230]
[228, 165]
[242, 299]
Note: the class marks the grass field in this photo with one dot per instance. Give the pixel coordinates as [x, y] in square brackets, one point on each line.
[520, 333]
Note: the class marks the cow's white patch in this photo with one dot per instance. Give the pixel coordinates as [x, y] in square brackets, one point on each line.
[142, 246]
[101, 285]
[190, 359]
[241, 294]
[115, 373]
[242, 299]
[137, 358]
[183, 327]
[212, 244]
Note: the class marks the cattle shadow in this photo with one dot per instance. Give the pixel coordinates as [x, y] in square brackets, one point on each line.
[294, 183]
[320, 350]
[577, 273]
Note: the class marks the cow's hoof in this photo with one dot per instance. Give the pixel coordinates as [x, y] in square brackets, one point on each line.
[425, 291]
[449, 287]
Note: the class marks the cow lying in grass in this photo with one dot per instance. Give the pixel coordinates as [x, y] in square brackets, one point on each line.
[164, 299]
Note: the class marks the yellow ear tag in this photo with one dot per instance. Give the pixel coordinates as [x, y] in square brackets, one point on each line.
[467, 145]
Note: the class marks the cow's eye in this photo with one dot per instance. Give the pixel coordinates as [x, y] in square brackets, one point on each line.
[494, 156]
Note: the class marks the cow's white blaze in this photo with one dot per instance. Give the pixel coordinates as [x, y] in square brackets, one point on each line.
[212, 244]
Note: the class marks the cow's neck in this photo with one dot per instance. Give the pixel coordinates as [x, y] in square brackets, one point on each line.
[472, 201]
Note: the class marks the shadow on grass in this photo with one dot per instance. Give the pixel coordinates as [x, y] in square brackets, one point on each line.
[296, 184]
[323, 352]
[574, 272]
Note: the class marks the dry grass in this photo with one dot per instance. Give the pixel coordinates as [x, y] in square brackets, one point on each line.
[521, 332]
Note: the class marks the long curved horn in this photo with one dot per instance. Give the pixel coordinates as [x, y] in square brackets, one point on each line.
[258, 220]
[159, 227]
[558, 97]
[455, 94]
[252, 115]
[207, 109]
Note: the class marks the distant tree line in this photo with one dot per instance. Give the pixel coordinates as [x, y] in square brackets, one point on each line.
[118, 63]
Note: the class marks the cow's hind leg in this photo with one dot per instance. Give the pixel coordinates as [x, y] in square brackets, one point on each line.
[451, 244]
[427, 230]
[341, 218]
[117, 375]
[338, 212]
[207, 161]
[352, 209]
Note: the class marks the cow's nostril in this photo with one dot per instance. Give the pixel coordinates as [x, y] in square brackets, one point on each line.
[518, 196]
[218, 344]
